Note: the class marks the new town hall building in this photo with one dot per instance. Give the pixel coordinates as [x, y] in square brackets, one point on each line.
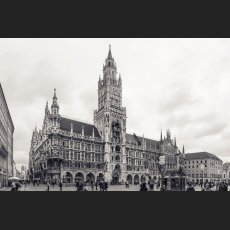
[71, 150]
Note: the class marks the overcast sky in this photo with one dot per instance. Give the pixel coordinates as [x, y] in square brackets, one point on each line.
[177, 84]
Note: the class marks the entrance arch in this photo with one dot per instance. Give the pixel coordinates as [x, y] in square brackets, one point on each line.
[136, 179]
[116, 176]
[100, 177]
[143, 179]
[130, 179]
[90, 178]
[79, 177]
[67, 177]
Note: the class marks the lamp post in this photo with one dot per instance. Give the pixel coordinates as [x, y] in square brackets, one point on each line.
[161, 165]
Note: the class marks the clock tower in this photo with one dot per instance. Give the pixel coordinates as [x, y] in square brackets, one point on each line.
[110, 120]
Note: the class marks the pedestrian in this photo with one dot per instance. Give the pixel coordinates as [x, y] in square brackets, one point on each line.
[13, 187]
[92, 185]
[101, 185]
[163, 188]
[143, 187]
[190, 188]
[18, 186]
[96, 184]
[48, 186]
[53, 183]
[106, 186]
[80, 186]
[37, 182]
[60, 185]
[151, 185]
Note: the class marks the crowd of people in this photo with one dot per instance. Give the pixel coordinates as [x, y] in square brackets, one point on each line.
[208, 186]
[151, 185]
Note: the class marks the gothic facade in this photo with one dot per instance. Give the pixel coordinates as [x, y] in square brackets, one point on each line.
[71, 150]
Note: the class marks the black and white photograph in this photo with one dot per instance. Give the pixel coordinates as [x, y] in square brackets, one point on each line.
[114, 114]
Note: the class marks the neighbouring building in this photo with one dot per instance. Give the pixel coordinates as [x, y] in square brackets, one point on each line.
[18, 174]
[226, 171]
[71, 150]
[14, 169]
[212, 171]
[6, 141]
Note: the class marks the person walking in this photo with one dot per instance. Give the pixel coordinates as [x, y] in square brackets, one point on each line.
[18, 186]
[60, 185]
[190, 188]
[101, 185]
[106, 186]
[92, 185]
[48, 186]
[96, 184]
[13, 187]
[143, 187]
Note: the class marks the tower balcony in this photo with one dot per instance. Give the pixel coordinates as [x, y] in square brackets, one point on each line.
[53, 170]
[55, 156]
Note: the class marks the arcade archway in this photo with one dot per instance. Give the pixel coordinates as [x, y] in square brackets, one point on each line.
[79, 177]
[143, 179]
[100, 177]
[130, 179]
[136, 179]
[90, 178]
[67, 177]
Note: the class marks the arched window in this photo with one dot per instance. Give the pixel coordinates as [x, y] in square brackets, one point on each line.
[117, 158]
[118, 148]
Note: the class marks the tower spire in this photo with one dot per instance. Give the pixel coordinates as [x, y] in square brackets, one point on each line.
[110, 53]
[183, 149]
[55, 104]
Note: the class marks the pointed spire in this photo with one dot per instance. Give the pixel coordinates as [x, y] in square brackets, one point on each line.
[55, 104]
[47, 106]
[110, 53]
[183, 149]
[175, 141]
[161, 136]
[55, 97]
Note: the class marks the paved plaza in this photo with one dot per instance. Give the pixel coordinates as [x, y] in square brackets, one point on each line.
[43, 187]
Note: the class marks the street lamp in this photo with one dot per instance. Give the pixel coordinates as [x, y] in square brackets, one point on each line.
[161, 164]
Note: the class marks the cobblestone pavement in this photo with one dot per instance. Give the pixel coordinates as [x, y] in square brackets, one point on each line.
[42, 187]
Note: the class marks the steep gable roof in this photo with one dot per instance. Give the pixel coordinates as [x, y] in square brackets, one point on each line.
[150, 144]
[65, 124]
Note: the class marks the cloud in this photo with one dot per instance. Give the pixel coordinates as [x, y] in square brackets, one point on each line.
[181, 84]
